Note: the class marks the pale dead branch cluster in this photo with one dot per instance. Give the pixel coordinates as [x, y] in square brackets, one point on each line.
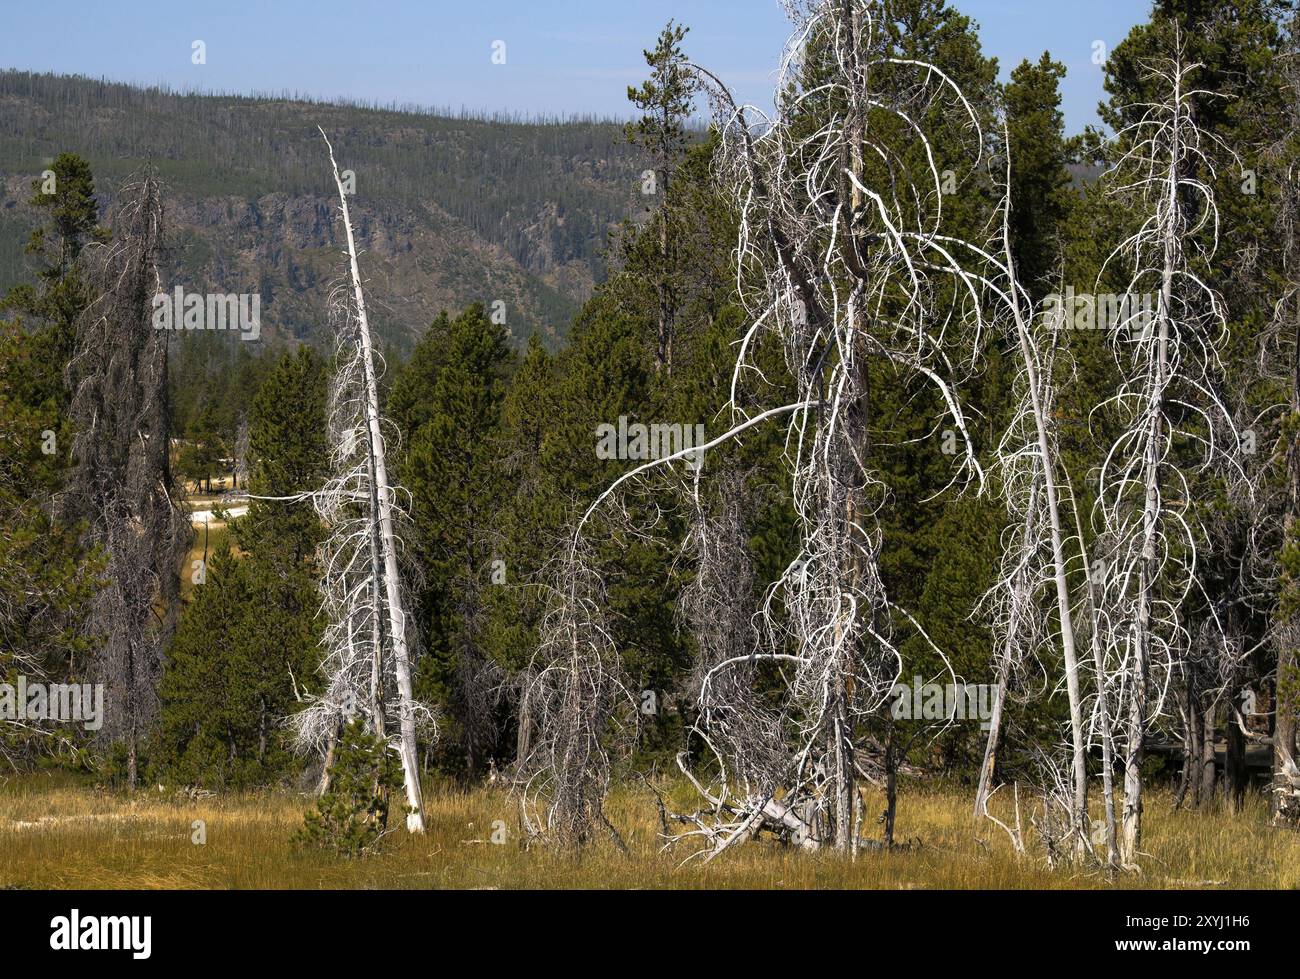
[367, 643]
[1173, 422]
[847, 270]
[574, 710]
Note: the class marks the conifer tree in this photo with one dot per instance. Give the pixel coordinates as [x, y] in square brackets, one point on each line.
[120, 484]
[249, 636]
[46, 575]
[454, 471]
[1040, 183]
[665, 102]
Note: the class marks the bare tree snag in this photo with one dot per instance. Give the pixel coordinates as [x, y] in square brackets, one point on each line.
[367, 639]
[121, 483]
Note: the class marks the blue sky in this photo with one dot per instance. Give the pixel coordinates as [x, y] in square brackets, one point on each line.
[562, 56]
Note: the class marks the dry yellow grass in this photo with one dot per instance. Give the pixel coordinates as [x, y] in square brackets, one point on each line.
[56, 834]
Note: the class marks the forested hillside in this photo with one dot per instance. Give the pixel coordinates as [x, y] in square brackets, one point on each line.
[450, 210]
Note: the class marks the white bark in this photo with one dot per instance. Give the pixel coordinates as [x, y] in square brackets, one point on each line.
[388, 579]
[838, 264]
[1144, 494]
[1039, 396]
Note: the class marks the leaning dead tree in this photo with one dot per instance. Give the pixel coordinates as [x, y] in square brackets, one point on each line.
[1038, 544]
[120, 483]
[841, 256]
[1172, 423]
[367, 661]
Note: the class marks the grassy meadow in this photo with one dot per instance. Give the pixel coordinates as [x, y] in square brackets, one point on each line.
[56, 833]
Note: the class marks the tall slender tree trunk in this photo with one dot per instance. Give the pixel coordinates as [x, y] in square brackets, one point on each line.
[891, 780]
[664, 345]
[1189, 752]
[1146, 578]
[1064, 616]
[1150, 518]
[856, 428]
[131, 773]
[1287, 699]
[844, 781]
[1234, 766]
[1208, 771]
[1103, 706]
[1107, 749]
[390, 580]
[989, 764]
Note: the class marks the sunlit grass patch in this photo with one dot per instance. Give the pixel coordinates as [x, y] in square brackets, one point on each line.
[56, 833]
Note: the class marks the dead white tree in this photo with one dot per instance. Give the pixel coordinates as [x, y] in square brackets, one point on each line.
[1281, 356]
[573, 700]
[366, 640]
[1166, 406]
[735, 726]
[840, 255]
[1036, 541]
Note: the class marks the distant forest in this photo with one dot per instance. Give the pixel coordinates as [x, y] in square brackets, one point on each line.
[532, 200]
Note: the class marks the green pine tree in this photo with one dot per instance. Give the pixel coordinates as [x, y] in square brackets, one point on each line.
[247, 645]
[351, 816]
[454, 471]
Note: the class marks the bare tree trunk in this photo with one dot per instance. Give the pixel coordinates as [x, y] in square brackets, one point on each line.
[1189, 752]
[1107, 751]
[1207, 755]
[990, 748]
[1047, 461]
[1080, 771]
[1103, 706]
[891, 781]
[391, 581]
[1065, 618]
[1286, 778]
[1007, 658]
[1286, 781]
[858, 415]
[131, 774]
[1150, 518]
[523, 736]
[844, 780]
[1132, 837]
[327, 769]
[1136, 737]
[1234, 766]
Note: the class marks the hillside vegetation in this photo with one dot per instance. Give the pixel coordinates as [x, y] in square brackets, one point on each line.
[450, 210]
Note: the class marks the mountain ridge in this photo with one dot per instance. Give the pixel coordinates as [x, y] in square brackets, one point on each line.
[448, 210]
